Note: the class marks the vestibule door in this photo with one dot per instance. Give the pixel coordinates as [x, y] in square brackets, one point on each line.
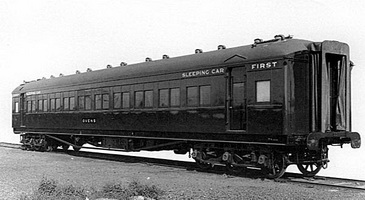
[236, 98]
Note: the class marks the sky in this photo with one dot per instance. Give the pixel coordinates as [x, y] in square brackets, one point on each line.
[40, 38]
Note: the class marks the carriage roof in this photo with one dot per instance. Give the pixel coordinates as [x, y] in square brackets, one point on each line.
[217, 58]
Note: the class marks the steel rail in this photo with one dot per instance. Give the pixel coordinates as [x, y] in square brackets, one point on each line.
[335, 182]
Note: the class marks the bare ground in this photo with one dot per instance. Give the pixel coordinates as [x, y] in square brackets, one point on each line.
[21, 172]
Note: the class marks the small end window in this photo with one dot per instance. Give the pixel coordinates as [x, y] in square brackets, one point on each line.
[263, 91]
[16, 107]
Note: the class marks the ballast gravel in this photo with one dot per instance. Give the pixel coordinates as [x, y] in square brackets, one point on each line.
[21, 171]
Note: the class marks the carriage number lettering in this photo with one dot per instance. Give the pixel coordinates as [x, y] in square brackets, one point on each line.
[89, 120]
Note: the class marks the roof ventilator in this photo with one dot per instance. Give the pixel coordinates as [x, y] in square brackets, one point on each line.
[198, 51]
[220, 47]
[122, 64]
[165, 56]
[279, 37]
[258, 40]
[109, 66]
[148, 59]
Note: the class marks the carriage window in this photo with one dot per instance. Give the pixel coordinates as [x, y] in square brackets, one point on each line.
[88, 102]
[164, 98]
[98, 102]
[66, 103]
[33, 105]
[102, 101]
[81, 103]
[53, 105]
[72, 103]
[148, 99]
[126, 100]
[58, 104]
[138, 97]
[29, 106]
[16, 107]
[175, 97]
[40, 105]
[105, 101]
[262, 91]
[45, 105]
[238, 94]
[192, 97]
[117, 100]
[205, 95]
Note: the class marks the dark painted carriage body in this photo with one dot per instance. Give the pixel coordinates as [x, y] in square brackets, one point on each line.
[283, 93]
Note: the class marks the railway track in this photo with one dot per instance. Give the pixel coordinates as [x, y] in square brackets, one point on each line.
[329, 181]
[249, 173]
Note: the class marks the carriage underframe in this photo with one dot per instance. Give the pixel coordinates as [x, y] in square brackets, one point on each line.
[272, 159]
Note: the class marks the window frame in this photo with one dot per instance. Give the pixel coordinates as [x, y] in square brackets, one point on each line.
[66, 103]
[105, 102]
[263, 96]
[195, 97]
[72, 103]
[126, 104]
[52, 104]
[98, 101]
[173, 97]
[16, 107]
[45, 105]
[165, 101]
[139, 99]
[117, 104]
[88, 102]
[236, 98]
[205, 101]
[148, 99]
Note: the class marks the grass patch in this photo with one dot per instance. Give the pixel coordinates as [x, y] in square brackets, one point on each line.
[51, 189]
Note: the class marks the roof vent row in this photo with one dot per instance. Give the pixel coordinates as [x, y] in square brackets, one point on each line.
[148, 59]
[276, 38]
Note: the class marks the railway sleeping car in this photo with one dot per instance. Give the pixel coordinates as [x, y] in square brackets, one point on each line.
[269, 105]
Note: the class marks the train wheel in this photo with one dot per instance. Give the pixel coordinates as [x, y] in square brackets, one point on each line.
[65, 147]
[277, 168]
[76, 149]
[78, 142]
[200, 162]
[49, 148]
[203, 165]
[232, 168]
[37, 148]
[309, 169]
